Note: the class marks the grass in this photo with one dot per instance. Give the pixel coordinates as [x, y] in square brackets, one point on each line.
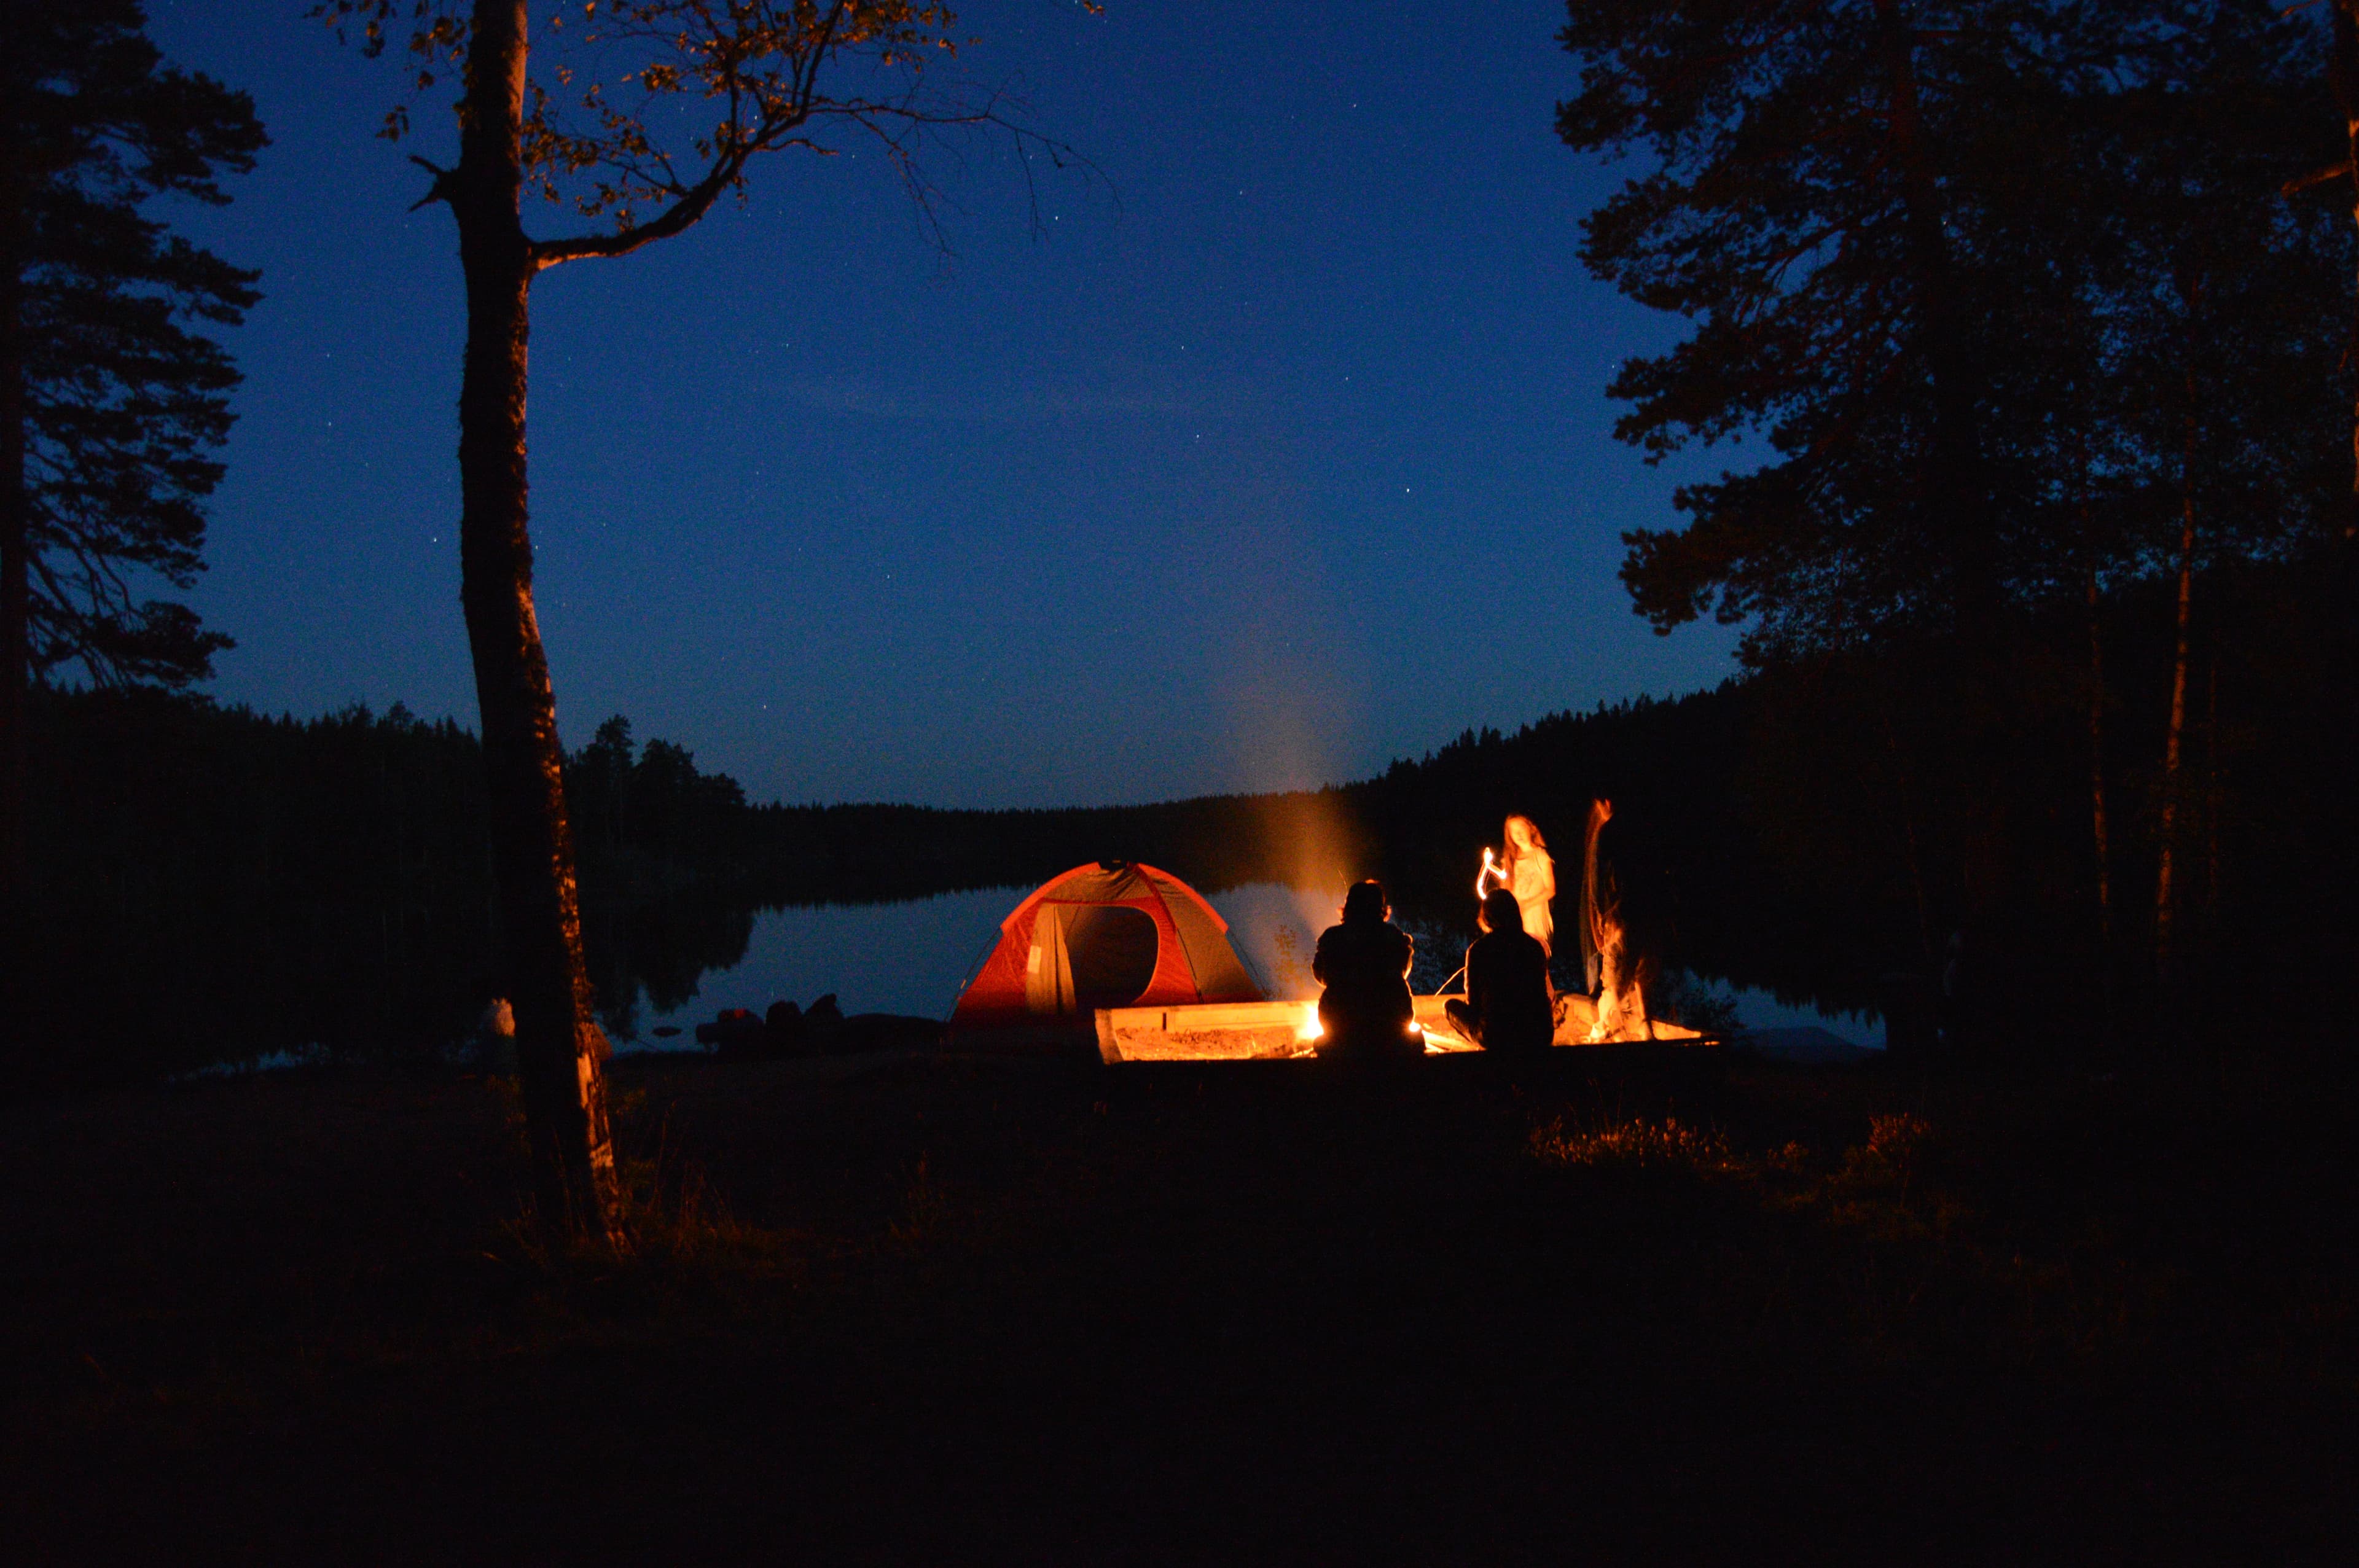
[1636, 1145]
[971, 1311]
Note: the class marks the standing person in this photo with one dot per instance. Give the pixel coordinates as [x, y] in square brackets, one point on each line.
[1617, 963]
[1364, 965]
[1528, 873]
[1507, 1007]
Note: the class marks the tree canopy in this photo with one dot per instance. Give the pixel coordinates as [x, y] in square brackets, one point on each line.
[125, 397]
[639, 114]
[1929, 250]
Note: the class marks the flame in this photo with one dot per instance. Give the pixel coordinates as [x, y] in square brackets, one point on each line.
[1482, 878]
[1310, 1032]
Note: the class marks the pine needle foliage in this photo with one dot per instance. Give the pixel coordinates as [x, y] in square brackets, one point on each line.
[124, 393]
[1916, 240]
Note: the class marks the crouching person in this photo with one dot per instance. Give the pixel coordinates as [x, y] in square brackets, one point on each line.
[1508, 1008]
[1363, 964]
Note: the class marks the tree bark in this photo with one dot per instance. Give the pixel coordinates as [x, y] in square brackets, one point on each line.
[1955, 507]
[1955, 495]
[2342, 72]
[557, 1046]
[15, 545]
[2165, 890]
[2212, 794]
[2099, 825]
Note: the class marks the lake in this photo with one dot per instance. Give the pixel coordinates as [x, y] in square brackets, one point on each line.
[913, 957]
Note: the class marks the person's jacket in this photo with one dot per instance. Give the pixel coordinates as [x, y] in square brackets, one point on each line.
[1365, 967]
[1507, 988]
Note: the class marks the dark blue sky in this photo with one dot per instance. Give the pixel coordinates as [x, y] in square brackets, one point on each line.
[1288, 457]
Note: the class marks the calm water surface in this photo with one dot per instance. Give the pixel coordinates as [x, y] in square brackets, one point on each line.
[915, 957]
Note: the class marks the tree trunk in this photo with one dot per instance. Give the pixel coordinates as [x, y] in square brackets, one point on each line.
[1955, 508]
[15, 603]
[2342, 71]
[2100, 828]
[1954, 491]
[2211, 790]
[2165, 891]
[557, 1046]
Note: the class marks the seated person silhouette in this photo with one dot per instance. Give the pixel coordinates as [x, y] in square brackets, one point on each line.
[1507, 1007]
[1363, 963]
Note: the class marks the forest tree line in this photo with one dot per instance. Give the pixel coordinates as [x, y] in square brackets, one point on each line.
[212, 881]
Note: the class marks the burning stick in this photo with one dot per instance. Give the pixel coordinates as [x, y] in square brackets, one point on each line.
[1482, 878]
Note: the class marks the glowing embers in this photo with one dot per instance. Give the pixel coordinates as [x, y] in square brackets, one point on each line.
[1236, 1031]
[1233, 1031]
[1209, 1031]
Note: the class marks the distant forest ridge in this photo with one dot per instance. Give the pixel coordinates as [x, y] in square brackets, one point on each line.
[1456, 794]
[645, 815]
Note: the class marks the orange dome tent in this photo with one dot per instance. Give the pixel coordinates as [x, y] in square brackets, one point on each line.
[1109, 935]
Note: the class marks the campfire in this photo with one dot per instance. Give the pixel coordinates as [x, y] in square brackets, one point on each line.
[1281, 1029]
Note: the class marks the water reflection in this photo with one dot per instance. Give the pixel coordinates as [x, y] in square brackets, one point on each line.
[909, 957]
[914, 956]
[1759, 1010]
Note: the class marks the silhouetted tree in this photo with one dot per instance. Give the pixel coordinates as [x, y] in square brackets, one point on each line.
[2220, 302]
[601, 779]
[112, 399]
[596, 128]
[1834, 197]
[1854, 200]
[2342, 76]
[2013, 291]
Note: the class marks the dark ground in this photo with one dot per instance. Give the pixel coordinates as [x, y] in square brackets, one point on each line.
[902, 1308]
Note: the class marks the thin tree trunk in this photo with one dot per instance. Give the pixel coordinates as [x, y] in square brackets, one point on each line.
[2211, 784]
[15, 601]
[1908, 828]
[2342, 71]
[557, 1046]
[1954, 493]
[2165, 891]
[2099, 827]
[1955, 507]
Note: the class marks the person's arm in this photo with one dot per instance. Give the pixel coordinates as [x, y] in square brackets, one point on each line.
[1548, 880]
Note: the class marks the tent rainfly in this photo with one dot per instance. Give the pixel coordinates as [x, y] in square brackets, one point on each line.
[1109, 935]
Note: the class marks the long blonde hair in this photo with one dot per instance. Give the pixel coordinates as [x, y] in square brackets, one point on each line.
[1511, 854]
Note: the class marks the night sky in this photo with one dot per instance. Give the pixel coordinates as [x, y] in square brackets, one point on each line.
[1283, 452]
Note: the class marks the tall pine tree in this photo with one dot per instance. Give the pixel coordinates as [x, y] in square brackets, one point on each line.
[113, 400]
[2009, 291]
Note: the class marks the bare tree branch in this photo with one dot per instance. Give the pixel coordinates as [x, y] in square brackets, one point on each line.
[2316, 177]
[444, 183]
